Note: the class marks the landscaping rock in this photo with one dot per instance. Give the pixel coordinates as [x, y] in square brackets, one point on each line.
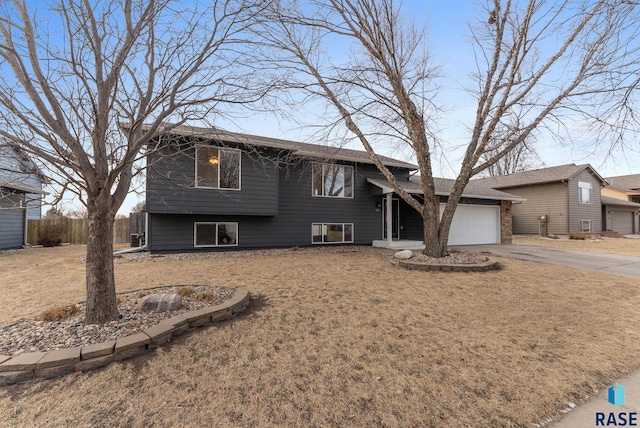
[404, 254]
[161, 302]
[552, 236]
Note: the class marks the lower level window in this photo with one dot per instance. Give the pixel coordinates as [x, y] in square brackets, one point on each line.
[215, 234]
[331, 233]
[585, 225]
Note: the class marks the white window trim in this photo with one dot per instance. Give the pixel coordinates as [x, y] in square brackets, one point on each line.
[353, 183]
[195, 234]
[353, 233]
[219, 188]
[585, 185]
[590, 225]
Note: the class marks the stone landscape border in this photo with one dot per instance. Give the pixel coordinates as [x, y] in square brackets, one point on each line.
[46, 365]
[490, 264]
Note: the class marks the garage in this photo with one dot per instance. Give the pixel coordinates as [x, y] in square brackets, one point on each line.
[622, 222]
[474, 225]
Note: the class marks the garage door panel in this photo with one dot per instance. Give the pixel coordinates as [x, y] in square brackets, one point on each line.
[622, 222]
[474, 225]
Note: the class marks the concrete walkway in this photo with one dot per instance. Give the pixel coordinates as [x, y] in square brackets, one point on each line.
[604, 262]
[596, 411]
[586, 415]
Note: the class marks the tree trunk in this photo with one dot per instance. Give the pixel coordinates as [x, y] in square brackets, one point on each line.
[101, 288]
[433, 246]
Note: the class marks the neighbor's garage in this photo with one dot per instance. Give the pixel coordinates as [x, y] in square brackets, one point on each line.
[620, 216]
[474, 225]
[622, 222]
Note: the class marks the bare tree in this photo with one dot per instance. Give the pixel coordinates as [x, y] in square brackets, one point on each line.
[522, 157]
[537, 63]
[72, 72]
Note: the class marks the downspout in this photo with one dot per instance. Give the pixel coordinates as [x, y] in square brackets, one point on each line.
[26, 222]
[389, 209]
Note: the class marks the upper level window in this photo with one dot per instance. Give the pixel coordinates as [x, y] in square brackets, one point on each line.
[217, 168]
[584, 195]
[332, 180]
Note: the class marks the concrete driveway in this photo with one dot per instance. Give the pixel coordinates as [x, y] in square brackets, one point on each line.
[604, 262]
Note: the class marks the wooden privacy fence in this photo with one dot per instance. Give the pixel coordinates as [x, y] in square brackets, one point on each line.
[77, 230]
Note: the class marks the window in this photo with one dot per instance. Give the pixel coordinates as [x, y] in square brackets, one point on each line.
[217, 168]
[215, 235]
[332, 180]
[635, 199]
[331, 233]
[584, 192]
[585, 225]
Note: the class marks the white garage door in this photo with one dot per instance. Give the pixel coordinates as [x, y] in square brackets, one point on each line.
[621, 222]
[474, 225]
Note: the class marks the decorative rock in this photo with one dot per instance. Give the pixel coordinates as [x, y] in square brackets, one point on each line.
[161, 302]
[404, 254]
[552, 236]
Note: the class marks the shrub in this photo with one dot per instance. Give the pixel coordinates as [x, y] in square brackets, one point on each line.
[143, 293]
[51, 234]
[59, 313]
[205, 296]
[186, 290]
[578, 235]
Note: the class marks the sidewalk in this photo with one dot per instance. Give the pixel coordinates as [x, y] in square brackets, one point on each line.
[584, 416]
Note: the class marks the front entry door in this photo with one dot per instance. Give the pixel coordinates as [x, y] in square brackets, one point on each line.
[395, 218]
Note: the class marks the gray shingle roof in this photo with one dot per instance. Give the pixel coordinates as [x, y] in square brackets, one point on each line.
[631, 181]
[301, 149]
[605, 200]
[537, 176]
[443, 187]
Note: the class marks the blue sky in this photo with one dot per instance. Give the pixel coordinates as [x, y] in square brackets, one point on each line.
[448, 34]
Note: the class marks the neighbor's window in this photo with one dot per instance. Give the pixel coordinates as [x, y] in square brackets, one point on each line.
[217, 168]
[584, 195]
[331, 233]
[585, 225]
[332, 180]
[215, 234]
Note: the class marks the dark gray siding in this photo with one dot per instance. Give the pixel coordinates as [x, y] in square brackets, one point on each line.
[578, 211]
[298, 209]
[11, 221]
[170, 186]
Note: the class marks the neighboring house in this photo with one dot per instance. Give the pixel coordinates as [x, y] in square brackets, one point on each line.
[560, 199]
[20, 194]
[626, 187]
[209, 189]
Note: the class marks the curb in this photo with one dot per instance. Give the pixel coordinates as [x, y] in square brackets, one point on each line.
[46, 365]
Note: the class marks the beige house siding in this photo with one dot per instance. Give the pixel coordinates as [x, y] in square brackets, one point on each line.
[550, 200]
[591, 211]
[614, 193]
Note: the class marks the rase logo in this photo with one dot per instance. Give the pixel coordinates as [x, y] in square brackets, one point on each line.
[615, 396]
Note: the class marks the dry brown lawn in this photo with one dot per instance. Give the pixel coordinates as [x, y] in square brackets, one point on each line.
[624, 246]
[341, 340]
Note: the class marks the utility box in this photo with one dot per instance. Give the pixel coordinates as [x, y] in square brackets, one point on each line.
[542, 226]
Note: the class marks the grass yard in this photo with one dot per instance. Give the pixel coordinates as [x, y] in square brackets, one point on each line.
[624, 246]
[341, 339]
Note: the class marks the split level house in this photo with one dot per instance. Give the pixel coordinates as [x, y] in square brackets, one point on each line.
[208, 190]
[622, 196]
[564, 199]
[20, 194]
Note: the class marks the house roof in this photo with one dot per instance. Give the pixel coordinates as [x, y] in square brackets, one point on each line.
[538, 176]
[299, 149]
[443, 187]
[605, 200]
[11, 184]
[631, 181]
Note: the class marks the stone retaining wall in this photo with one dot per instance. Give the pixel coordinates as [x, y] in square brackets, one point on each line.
[60, 362]
[490, 264]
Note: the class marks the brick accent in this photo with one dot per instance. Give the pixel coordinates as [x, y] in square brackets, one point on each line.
[506, 222]
[56, 363]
